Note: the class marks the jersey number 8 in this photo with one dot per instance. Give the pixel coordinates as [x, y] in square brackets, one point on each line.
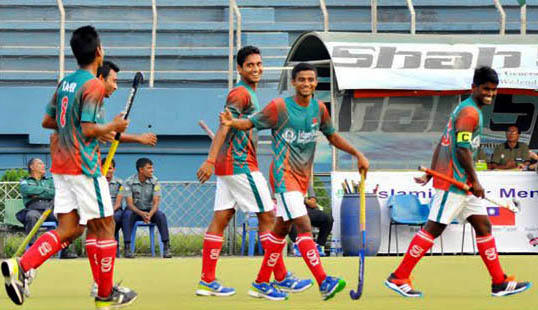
[65, 101]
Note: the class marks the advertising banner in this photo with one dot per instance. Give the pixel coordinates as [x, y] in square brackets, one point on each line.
[514, 233]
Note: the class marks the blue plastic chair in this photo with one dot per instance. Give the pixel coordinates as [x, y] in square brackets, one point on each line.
[151, 237]
[49, 226]
[406, 210]
[251, 225]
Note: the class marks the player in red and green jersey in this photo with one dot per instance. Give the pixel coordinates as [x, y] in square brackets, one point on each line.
[82, 196]
[294, 123]
[239, 182]
[453, 157]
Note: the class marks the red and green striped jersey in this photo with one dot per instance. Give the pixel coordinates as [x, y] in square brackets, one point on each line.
[77, 99]
[463, 130]
[238, 153]
[294, 129]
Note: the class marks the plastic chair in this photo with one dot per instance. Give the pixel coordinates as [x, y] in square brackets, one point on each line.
[251, 225]
[406, 210]
[151, 237]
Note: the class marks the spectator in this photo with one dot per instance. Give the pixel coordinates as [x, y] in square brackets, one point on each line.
[143, 194]
[37, 192]
[115, 186]
[512, 154]
[318, 218]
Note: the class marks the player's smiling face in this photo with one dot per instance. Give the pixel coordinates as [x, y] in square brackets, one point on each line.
[111, 83]
[484, 93]
[252, 69]
[305, 83]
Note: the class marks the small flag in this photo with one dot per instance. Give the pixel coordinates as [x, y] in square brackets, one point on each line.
[501, 216]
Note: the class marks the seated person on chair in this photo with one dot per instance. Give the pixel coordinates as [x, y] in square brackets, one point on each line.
[115, 186]
[318, 218]
[143, 194]
[37, 192]
[512, 154]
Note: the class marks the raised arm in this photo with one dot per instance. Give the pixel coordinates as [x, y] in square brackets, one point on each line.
[226, 119]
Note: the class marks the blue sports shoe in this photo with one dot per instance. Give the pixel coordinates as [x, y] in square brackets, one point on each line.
[213, 289]
[292, 284]
[330, 286]
[266, 290]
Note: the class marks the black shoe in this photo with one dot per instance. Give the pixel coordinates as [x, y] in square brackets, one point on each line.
[120, 297]
[509, 287]
[15, 280]
[66, 254]
[166, 251]
[128, 253]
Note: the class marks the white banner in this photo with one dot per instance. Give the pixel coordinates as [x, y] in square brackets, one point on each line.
[407, 66]
[513, 233]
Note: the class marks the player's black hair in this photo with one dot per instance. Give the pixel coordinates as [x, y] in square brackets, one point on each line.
[104, 70]
[112, 163]
[141, 162]
[84, 43]
[302, 66]
[484, 75]
[244, 52]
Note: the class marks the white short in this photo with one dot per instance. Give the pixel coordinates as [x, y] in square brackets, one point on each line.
[290, 205]
[445, 207]
[246, 191]
[89, 196]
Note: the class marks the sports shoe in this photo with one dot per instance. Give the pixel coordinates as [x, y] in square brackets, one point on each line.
[402, 286]
[509, 287]
[95, 289]
[331, 286]
[292, 284]
[29, 277]
[15, 280]
[118, 298]
[213, 289]
[266, 290]
[296, 251]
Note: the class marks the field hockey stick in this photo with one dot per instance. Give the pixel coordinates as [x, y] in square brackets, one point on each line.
[514, 206]
[362, 220]
[32, 232]
[138, 79]
[207, 130]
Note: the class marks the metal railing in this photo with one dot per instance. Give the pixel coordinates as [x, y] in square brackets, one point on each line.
[502, 16]
[233, 10]
[153, 43]
[325, 15]
[61, 54]
[373, 13]
[523, 17]
[413, 16]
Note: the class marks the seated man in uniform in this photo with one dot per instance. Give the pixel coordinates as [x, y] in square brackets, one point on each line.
[37, 192]
[512, 154]
[143, 194]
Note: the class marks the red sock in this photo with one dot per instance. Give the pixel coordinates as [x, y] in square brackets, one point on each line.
[106, 256]
[273, 251]
[420, 244]
[280, 268]
[210, 256]
[310, 254]
[91, 251]
[488, 252]
[46, 246]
